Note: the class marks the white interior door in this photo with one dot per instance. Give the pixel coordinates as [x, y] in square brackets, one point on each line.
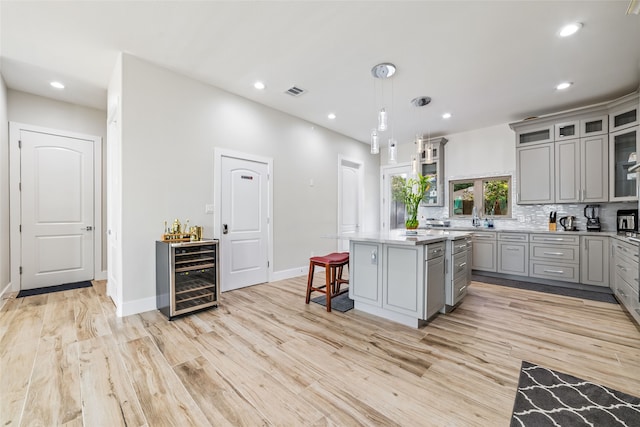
[349, 200]
[392, 212]
[244, 218]
[57, 209]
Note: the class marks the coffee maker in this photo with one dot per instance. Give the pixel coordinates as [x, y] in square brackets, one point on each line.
[593, 220]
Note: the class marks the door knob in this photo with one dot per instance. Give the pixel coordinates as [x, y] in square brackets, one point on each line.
[88, 228]
[225, 229]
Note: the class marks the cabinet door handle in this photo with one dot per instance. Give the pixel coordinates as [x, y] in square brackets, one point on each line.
[374, 257]
[554, 271]
[554, 253]
[621, 267]
[557, 239]
[462, 265]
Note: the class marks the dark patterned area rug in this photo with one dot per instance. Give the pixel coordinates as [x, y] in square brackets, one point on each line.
[549, 398]
[340, 303]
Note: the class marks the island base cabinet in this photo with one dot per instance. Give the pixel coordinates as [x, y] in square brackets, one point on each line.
[434, 286]
[403, 288]
[365, 271]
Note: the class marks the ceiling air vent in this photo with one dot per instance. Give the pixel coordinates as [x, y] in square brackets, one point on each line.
[295, 91]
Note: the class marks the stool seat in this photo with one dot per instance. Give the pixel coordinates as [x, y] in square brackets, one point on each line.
[333, 264]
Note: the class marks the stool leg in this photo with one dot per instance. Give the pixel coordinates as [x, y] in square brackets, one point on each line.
[328, 273]
[337, 280]
[310, 281]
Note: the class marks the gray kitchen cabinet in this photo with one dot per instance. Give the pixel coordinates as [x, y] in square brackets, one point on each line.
[535, 172]
[567, 130]
[434, 171]
[624, 113]
[457, 276]
[434, 286]
[554, 257]
[624, 269]
[595, 125]
[513, 253]
[581, 170]
[594, 260]
[538, 133]
[365, 271]
[484, 251]
[622, 148]
[403, 283]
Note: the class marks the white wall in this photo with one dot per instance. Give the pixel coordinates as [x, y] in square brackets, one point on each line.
[170, 126]
[39, 111]
[5, 259]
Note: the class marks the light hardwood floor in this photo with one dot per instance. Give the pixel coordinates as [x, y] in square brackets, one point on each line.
[265, 358]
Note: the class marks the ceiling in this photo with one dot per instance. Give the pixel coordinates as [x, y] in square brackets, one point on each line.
[485, 62]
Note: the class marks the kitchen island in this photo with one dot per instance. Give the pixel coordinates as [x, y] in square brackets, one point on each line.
[409, 278]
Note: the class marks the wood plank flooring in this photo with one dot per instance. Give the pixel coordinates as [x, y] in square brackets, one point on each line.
[265, 358]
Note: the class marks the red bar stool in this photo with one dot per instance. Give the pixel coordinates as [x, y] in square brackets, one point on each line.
[333, 265]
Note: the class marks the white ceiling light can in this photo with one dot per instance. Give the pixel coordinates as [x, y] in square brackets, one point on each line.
[570, 29]
[331, 116]
[446, 116]
[259, 85]
[57, 85]
[564, 85]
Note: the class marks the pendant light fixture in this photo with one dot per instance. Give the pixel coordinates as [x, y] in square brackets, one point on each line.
[421, 143]
[393, 151]
[382, 71]
[375, 142]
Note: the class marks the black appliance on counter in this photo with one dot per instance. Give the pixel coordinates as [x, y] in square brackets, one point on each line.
[593, 220]
[627, 221]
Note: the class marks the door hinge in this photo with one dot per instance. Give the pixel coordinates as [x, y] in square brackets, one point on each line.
[267, 264]
[19, 144]
[268, 220]
[20, 269]
[20, 228]
[19, 186]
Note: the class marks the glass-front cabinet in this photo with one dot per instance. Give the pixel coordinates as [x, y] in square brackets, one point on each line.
[433, 168]
[623, 154]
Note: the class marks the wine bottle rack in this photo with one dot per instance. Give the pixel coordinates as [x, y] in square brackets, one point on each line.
[187, 278]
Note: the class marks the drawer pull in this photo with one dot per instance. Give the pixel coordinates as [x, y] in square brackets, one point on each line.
[557, 239]
[462, 289]
[513, 249]
[554, 253]
[621, 268]
[462, 265]
[554, 271]
[436, 251]
[511, 238]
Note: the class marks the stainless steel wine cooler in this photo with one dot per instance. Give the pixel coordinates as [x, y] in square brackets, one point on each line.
[187, 277]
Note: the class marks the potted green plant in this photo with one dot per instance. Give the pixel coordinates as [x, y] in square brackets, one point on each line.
[411, 193]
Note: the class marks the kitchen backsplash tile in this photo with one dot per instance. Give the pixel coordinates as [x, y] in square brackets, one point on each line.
[531, 217]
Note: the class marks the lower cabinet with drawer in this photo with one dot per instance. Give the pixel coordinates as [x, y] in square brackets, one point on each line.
[555, 257]
[624, 276]
[458, 272]
[434, 279]
[484, 251]
[513, 253]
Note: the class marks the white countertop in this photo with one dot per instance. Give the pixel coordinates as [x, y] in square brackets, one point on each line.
[400, 237]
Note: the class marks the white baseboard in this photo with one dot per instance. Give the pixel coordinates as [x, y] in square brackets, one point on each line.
[290, 273]
[6, 290]
[101, 275]
[137, 306]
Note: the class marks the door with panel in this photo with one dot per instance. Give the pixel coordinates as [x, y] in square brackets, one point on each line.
[57, 209]
[244, 219]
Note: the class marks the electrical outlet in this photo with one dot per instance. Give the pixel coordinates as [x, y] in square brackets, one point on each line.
[208, 209]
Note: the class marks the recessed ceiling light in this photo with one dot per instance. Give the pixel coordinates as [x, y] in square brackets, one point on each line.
[564, 85]
[570, 29]
[331, 116]
[57, 85]
[259, 85]
[446, 116]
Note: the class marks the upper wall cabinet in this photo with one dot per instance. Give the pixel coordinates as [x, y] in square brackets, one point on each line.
[584, 154]
[567, 130]
[624, 115]
[534, 134]
[434, 170]
[592, 126]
